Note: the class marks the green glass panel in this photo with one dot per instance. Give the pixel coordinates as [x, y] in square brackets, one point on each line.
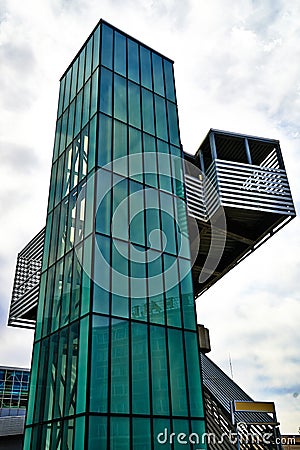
[159, 371]
[182, 228]
[120, 54]
[57, 293]
[133, 60]
[137, 214]
[52, 186]
[86, 280]
[61, 374]
[187, 294]
[198, 436]
[88, 59]
[48, 301]
[59, 178]
[33, 384]
[103, 202]
[67, 282]
[161, 434]
[79, 427]
[82, 365]
[99, 364]
[158, 76]
[153, 237]
[106, 91]
[146, 75]
[94, 95]
[76, 284]
[62, 228]
[119, 401]
[96, 48]
[169, 78]
[161, 118]
[141, 434]
[147, 111]
[150, 161]
[71, 371]
[50, 377]
[138, 280]
[97, 432]
[40, 307]
[92, 143]
[120, 303]
[173, 300]
[101, 297]
[139, 369]
[61, 96]
[164, 166]
[182, 433]
[57, 139]
[55, 436]
[82, 149]
[70, 123]
[81, 69]
[78, 113]
[107, 46]
[120, 98]
[64, 123]
[42, 380]
[135, 162]
[119, 433]
[134, 105]
[74, 79]
[27, 438]
[168, 222]
[105, 140]
[193, 371]
[173, 123]
[120, 147]
[86, 103]
[177, 171]
[67, 88]
[177, 373]
[47, 241]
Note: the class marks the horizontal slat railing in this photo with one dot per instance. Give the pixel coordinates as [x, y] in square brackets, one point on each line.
[253, 187]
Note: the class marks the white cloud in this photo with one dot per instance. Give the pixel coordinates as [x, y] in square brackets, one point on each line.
[236, 68]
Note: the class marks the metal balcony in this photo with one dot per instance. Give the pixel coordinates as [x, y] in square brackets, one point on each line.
[242, 178]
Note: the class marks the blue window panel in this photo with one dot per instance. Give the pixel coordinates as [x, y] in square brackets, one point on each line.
[169, 79]
[161, 118]
[136, 213]
[97, 432]
[94, 95]
[150, 161]
[120, 145]
[92, 143]
[155, 288]
[119, 433]
[106, 91]
[182, 433]
[164, 166]
[134, 105]
[120, 98]
[187, 297]
[63, 135]
[147, 111]
[141, 434]
[173, 124]
[168, 222]
[138, 283]
[61, 96]
[78, 114]
[119, 400]
[173, 299]
[86, 103]
[67, 88]
[153, 235]
[57, 139]
[107, 46]
[120, 54]
[120, 279]
[133, 61]
[99, 369]
[198, 429]
[70, 123]
[146, 75]
[158, 75]
[161, 432]
[79, 436]
[135, 149]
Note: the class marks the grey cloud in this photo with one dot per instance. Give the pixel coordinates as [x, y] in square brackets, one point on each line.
[19, 57]
[19, 158]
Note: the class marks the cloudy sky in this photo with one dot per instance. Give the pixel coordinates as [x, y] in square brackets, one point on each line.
[237, 68]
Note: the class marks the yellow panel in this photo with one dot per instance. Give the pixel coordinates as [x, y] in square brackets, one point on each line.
[267, 407]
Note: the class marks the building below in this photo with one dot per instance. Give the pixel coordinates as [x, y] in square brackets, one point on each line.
[14, 384]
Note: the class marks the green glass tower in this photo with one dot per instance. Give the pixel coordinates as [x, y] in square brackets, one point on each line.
[116, 356]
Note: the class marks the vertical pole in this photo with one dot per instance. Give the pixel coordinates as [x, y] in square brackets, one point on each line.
[248, 153]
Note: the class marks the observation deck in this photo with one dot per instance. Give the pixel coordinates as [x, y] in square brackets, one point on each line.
[239, 195]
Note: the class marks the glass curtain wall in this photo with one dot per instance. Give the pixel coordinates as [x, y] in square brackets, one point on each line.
[115, 360]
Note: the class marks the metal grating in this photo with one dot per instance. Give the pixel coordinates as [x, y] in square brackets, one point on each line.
[26, 283]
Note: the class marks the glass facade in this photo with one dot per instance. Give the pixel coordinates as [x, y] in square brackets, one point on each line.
[14, 385]
[115, 359]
